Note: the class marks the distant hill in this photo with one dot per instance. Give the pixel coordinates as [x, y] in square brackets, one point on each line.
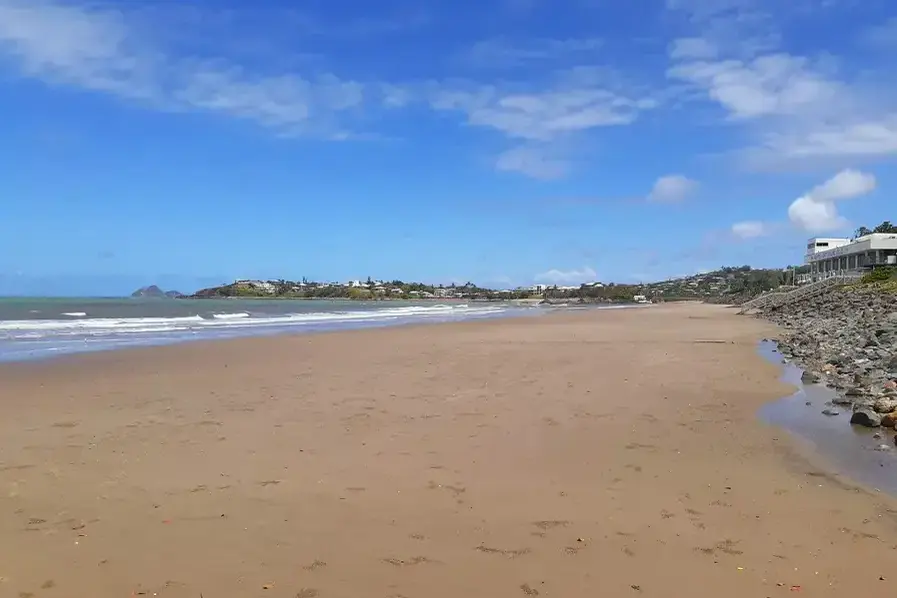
[726, 285]
[153, 291]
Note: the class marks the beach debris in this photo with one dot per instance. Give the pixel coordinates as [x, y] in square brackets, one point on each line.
[268, 586]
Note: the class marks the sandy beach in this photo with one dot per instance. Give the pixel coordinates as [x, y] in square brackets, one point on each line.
[595, 453]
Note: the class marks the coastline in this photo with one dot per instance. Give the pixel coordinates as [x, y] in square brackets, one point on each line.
[560, 455]
[41, 330]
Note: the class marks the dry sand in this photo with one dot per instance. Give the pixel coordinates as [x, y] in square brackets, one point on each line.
[589, 454]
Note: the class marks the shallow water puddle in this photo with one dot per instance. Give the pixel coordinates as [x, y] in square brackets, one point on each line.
[851, 450]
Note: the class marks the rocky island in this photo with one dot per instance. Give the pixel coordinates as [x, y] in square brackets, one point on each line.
[153, 291]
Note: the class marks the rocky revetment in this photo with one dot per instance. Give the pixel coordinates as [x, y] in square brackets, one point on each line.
[846, 339]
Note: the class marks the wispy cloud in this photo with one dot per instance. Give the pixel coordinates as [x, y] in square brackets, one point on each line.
[673, 188]
[751, 229]
[533, 161]
[795, 110]
[542, 115]
[102, 50]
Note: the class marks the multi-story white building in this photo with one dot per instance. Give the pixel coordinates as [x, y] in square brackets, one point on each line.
[828, 257]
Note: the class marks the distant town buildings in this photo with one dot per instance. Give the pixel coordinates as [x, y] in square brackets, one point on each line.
[262, 286]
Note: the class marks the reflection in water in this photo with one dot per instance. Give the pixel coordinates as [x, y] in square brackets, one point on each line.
[851, 450]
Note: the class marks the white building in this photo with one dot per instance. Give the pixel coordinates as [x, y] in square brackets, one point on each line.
[836, 256]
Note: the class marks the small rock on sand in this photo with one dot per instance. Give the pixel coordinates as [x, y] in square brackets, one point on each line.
[865, 417]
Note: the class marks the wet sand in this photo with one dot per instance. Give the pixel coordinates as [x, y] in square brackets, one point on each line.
[607, 453]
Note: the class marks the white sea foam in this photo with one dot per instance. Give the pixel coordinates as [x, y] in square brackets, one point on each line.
[107, 327]
[238, 316]
[75, 314]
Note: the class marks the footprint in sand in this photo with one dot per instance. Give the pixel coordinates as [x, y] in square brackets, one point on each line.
[511, 554]
[315, 565]
[546, 525]
[417, 560]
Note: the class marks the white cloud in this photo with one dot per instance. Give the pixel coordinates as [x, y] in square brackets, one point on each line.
[823, 141]
[847, 184]
[672, 188]
[101, 50]
[817, 212]
[539, 115]
[794, 110]
[555, 276]
[571, 103]
[534, 162]
[750, 229]
[776, 84]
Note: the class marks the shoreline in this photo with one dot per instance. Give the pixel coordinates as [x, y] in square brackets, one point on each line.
[845, 339]
[85, 333]
[500, 458]
[275, 335]
[858, 458]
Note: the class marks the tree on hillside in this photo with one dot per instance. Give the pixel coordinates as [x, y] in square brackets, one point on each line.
[861, 232]
[885, 227]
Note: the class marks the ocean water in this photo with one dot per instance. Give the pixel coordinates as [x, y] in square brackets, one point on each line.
[35, 328]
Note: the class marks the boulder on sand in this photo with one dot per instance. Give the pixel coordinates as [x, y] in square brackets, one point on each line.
[865, 416]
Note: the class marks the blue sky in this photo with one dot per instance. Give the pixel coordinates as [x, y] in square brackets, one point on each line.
[505, 141]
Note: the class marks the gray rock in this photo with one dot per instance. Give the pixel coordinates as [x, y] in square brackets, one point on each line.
[865, 417]
[885, 405]
[831, 412]
[839, 400]
[809, 377]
